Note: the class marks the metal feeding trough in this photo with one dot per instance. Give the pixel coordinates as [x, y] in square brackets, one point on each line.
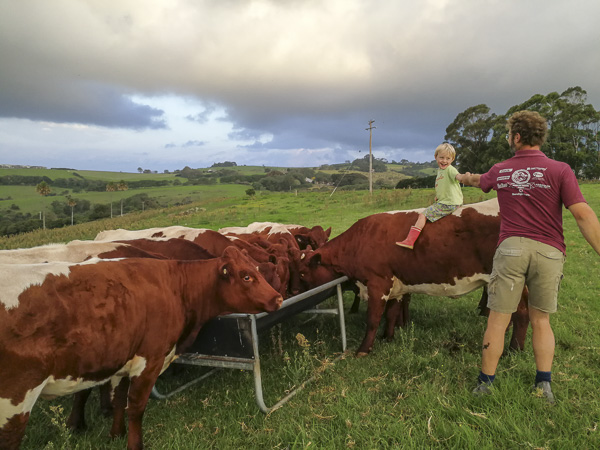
[231, 341]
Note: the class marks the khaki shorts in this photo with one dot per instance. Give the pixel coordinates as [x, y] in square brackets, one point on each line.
[521, 261]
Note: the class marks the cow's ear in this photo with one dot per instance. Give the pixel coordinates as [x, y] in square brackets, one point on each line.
[225, 271]
[315, 260]
[328, 231]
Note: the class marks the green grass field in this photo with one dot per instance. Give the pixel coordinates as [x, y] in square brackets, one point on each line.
[411, 393]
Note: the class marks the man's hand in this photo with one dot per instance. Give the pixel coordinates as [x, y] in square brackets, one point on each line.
[468, 179]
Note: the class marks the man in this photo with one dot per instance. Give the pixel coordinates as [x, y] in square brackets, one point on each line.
[532, 189]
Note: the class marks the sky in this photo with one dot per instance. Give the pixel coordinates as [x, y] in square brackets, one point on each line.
[119, 85]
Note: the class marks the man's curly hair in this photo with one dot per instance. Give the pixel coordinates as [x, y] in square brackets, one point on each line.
[532, 127]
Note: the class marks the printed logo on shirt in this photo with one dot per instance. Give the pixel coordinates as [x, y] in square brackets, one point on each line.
[523, 180]
[521, 176]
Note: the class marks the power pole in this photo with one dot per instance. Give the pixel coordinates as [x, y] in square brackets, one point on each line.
[370, 129]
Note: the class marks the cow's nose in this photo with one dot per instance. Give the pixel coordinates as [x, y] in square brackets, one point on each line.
[278, 301]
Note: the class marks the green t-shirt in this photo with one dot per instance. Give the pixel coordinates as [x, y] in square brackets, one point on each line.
[447, 188]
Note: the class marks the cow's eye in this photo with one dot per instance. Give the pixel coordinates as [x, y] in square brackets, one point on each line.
[247, 278]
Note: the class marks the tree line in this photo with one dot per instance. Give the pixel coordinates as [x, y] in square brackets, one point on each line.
[479, 136]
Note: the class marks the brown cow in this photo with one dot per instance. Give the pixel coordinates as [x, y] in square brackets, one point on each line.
[454, 256]
[66, 327]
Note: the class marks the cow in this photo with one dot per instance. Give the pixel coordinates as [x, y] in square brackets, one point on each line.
[212, 241]
[66, 327]
[297, 235]
[74, 251]
[453, 257]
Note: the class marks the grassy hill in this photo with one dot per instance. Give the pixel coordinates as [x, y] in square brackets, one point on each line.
[413, 392]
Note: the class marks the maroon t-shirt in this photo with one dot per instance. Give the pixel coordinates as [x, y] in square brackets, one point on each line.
[532, 189]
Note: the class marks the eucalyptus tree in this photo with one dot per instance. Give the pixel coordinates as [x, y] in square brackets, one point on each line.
[472, 134]
[573, 129]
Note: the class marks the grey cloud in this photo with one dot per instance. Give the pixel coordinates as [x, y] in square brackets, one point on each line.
[194, 144]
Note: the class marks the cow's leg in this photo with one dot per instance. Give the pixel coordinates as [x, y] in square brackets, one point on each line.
[119, 388]
[483, 307]
[375, 309]
[396, 315]
[355, 304]
[520, 321]
[14, 414]
[405, 310]
[11, 434]
[393, 317]
[139, 393]
[76, 420]
[105, 401]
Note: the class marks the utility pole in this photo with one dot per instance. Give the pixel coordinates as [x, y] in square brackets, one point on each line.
[370, 129]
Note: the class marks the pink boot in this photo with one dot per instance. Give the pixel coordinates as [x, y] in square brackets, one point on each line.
[409, 242]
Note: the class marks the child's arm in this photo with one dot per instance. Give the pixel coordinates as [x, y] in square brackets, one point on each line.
[469, 179]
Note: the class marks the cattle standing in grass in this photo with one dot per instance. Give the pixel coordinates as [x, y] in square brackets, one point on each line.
[454, 257]
[66, 327]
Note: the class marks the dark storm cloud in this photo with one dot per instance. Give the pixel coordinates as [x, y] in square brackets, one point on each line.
[286, 76]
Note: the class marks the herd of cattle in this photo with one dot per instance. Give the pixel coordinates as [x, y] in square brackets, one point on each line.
[116, 311]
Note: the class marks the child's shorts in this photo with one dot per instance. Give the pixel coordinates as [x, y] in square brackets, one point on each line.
[439, 210]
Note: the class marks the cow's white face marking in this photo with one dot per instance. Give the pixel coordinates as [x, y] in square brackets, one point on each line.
[460, 287]
[8, 409]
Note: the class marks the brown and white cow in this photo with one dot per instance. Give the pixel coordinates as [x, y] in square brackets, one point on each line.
[74, 251]
[66, 327]
[453, 256]
[212, 241]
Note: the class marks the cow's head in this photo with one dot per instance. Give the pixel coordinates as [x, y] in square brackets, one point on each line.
[311, 270]
[242, 287]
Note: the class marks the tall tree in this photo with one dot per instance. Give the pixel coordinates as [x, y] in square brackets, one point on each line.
[573, 129]
[72, 203]
[44, 190]
[110, 187]
[470, 134]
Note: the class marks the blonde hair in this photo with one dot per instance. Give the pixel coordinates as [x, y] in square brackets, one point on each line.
[445, 148]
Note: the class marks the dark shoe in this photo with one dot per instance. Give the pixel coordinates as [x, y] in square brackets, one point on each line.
[543, 389]
[482, 389]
